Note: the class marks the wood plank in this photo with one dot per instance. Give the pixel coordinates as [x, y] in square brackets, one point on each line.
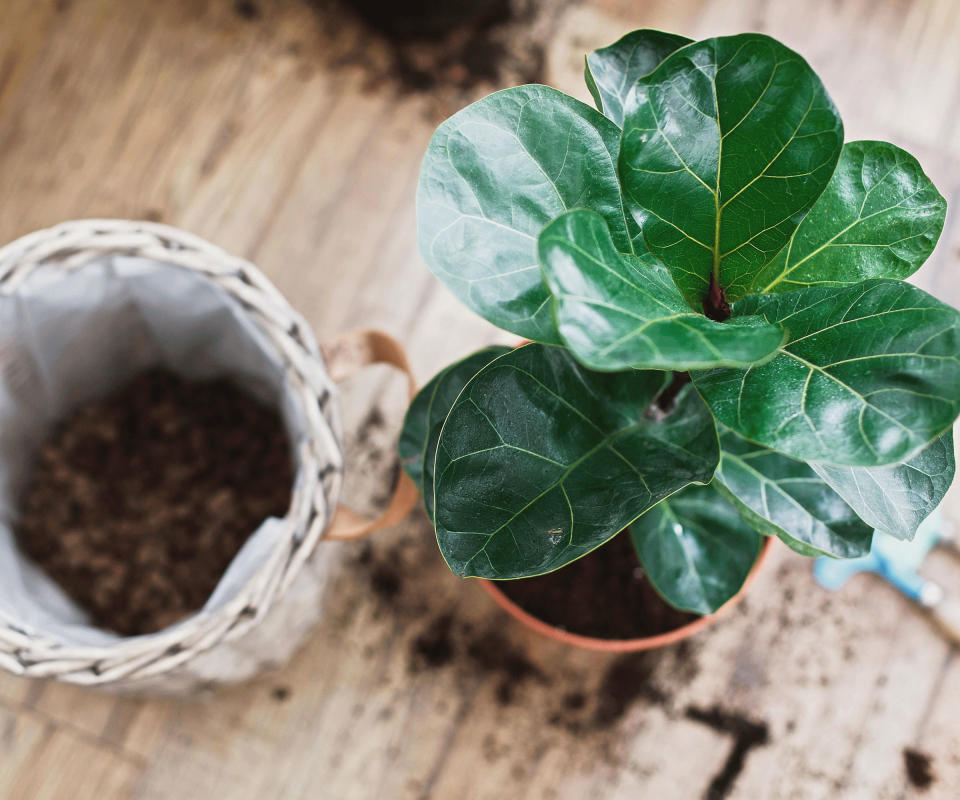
[75, 707]
[63, 764]
[14, 690]
[21, 735]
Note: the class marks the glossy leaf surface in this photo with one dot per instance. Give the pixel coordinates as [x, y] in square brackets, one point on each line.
[879, 217]
[610, 72]
[786, 498]
[725, 146]
[696, 549]
[869, 376]
[494, 174]
[618, 310]
[895, 499]
[540, 461]
[427, 412]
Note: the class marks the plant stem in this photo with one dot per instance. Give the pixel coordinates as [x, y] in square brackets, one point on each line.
[668, 396]
[715, 305]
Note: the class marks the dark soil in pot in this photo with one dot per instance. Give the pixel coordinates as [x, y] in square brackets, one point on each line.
[604, 595]
[138, 503]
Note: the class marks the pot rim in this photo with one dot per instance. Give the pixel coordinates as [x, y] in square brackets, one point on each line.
[622, 645]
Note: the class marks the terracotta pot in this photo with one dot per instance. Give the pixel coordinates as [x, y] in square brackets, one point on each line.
[621, 645]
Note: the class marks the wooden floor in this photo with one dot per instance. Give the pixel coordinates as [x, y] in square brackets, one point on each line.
[229, 125]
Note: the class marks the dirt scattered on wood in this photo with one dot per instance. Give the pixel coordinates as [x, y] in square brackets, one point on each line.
[919, 768]
[385, 582]
[433, 648]
[446, 53]
[247, 10]
[574, 701]
[445, 631]
[494, 654]
[437, 47]
[372, 422]
[487, 655]
[442, 639]
[628, 679]
[746, 733]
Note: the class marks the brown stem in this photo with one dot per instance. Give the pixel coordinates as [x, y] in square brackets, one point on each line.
[715, 305]
[668, 396]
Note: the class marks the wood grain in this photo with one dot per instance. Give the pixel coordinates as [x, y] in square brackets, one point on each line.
[235, 129]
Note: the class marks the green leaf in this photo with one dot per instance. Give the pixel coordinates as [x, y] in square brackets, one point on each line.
[880, 217]
[541, 461]
[725, 146]
[494, 174]
[869, 375]
[696, 549]
[897, 498]
[429, 409]
[610, 72]
[800, 548]
[617, 311]
[786, 498]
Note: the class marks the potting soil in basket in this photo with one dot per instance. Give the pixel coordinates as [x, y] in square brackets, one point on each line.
[137, 503]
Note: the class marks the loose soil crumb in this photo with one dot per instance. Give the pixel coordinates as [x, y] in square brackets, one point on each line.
[628, 679]
[493, 653]
[248, 10]
[139, 502]
[373, 421]
[919, 767]
[686, 664]
[386, 582]
[433, 648]
[746, 735]
[605, 594]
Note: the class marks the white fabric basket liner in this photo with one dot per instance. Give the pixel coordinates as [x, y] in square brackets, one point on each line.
[86, 306]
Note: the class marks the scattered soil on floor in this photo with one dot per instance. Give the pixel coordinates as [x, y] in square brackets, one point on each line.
[628, 679]
[402, 581]
[433, 648]
[138, 503]
[385, 582]
[446, 52]
[488, 654]
[746, 735]
[919, 767]
[247, 9]
[574, 701]
[605, 594]
[436, 45]
[372, 422]
[493, 654]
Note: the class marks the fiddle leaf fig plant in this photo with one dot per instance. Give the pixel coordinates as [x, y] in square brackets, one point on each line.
[721, 345]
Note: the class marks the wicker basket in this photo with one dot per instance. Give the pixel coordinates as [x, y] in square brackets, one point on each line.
[267, 616]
